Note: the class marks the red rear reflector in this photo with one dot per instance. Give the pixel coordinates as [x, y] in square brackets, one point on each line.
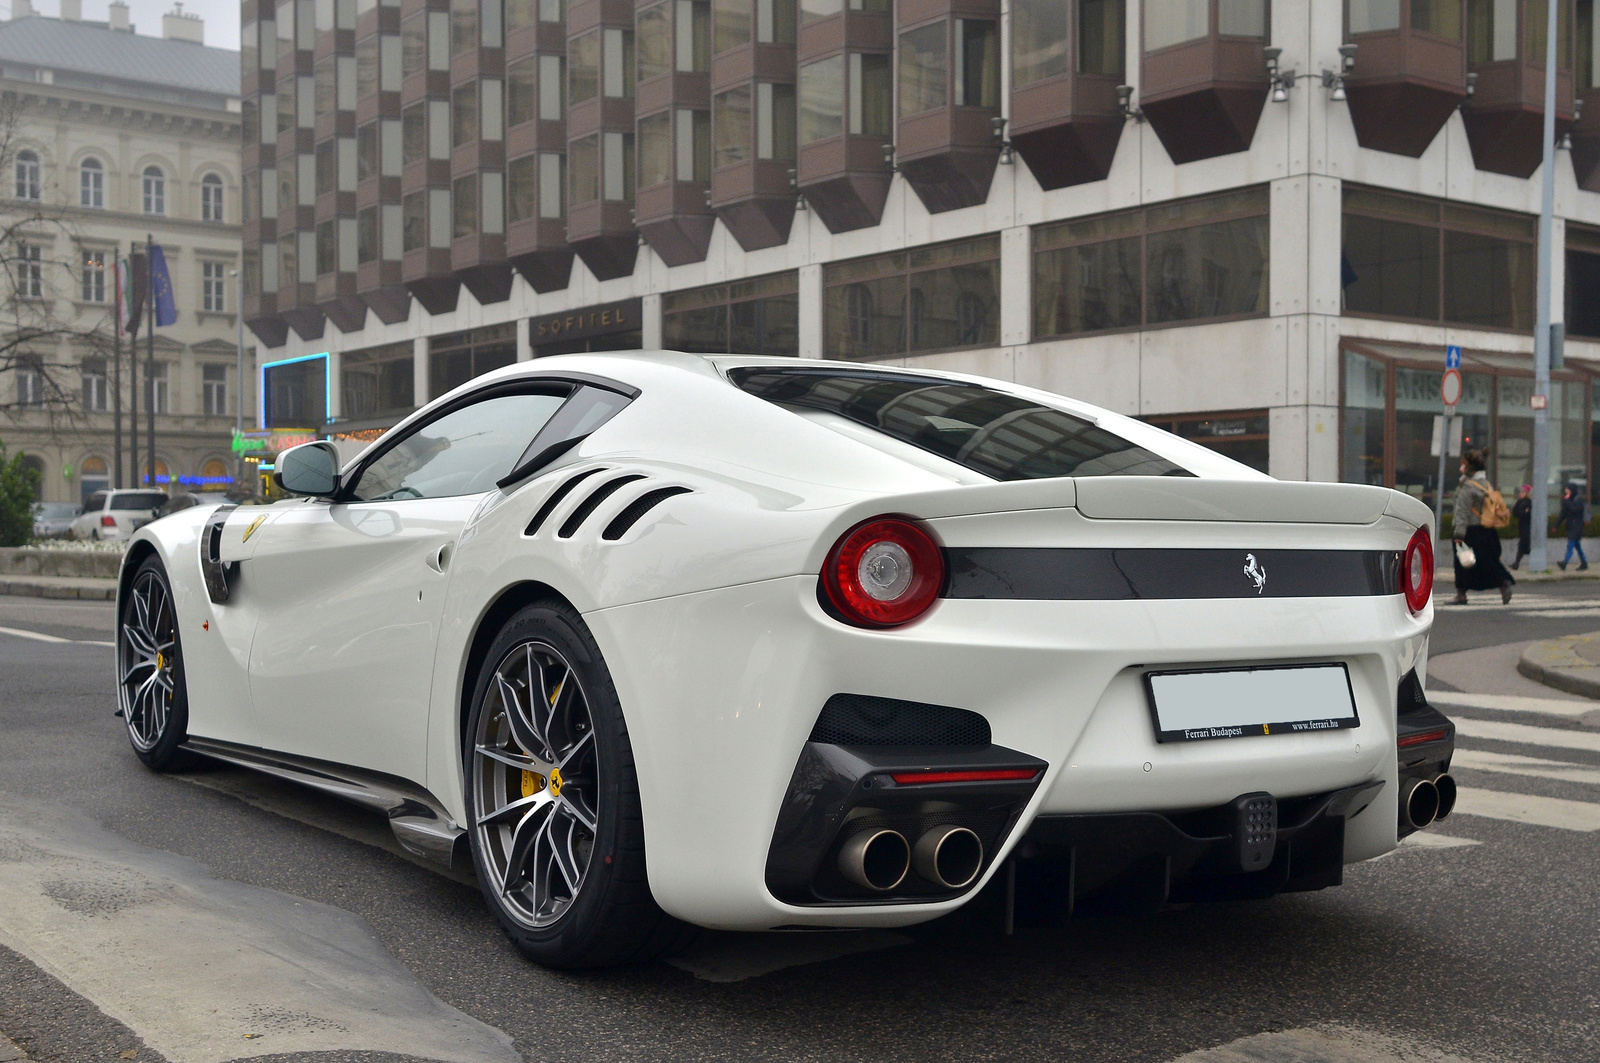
[914, 778]
[1425, 736]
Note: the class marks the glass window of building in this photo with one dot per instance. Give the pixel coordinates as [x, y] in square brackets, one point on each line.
[552, 185]
[414, 44]
[95, 391]
[583, 67]
[214, 390]
[94, 277]
[692, 35]
[522, 188]
[464, 114]
[552, 80]
[654, 27]
[414, 221]
[1583, 281]
[377, 382]
[457, 357]
[732, 126]
[932, 298]
[1172, 22]
[775, 121]
[522, 90]
[155, 190]
[822, 99]
[1191, 260]
[618, 164]
[1100, 37]
[755, 316]
[1241, 434]
[211, 198]
[1040, 40]
[655, 149]
[214, 287]
[295, 393]
[617, 68]
[367, 239]
[463, 26]
[30, 272]
[693, 147]
[327, 247]
[1242, 18]
[1492, 30]
[1409, 257]
[414, 133]
[871, 95]
[367, 151]
[924, 69]
[27, 175]
[464, 206]
[730, 24]
[977, 63]
[521, 14]
[584, 156]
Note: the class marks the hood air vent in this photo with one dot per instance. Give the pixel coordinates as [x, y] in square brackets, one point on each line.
[590, 504]
[638, 508]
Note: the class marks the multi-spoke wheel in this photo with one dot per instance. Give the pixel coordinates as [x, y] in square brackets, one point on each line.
[150, 687]
[557, 834]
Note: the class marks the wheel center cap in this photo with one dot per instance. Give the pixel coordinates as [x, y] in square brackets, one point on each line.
[555, 783]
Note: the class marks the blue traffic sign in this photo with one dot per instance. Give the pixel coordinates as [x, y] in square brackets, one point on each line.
[1452, 357]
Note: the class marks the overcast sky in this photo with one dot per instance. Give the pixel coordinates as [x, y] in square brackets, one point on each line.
[222, 16]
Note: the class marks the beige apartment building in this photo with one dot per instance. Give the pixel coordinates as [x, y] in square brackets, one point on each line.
[120, 136]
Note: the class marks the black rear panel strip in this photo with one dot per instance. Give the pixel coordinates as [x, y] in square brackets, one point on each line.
[1078, 574]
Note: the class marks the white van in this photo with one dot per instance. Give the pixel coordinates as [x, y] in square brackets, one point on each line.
[116, 514]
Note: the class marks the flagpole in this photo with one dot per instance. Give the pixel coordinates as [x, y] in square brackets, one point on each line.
[150, 356]
[116, 369]
[133, 382]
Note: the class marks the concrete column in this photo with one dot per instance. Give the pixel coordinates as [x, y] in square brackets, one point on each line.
[524, 349]
[335, 387]
[811, 312]
[650, 322]
[419, 369]
[1016, 285]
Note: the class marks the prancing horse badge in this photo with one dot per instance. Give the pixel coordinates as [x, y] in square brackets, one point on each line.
[1257, 574]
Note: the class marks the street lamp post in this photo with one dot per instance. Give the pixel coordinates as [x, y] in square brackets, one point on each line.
[238, 399]
[1538, 552]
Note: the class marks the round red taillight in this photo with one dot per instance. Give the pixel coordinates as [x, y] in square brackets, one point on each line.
[883, 573]
[1416, 571]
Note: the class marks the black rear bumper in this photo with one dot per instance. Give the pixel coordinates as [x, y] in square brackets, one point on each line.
[1128, 863]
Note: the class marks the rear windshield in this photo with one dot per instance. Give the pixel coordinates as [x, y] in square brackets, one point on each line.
[138, 499]
[987, 431]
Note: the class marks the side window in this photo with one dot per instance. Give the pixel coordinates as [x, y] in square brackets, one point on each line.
[462, 453]
[95, 503]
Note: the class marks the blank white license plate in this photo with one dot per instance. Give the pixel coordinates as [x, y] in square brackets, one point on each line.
[1236, 702]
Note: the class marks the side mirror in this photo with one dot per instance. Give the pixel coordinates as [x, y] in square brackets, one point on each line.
[309, 469]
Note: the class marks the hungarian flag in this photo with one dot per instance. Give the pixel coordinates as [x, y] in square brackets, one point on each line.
[131, 286]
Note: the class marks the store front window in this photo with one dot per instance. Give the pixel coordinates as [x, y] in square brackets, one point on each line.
[377, 382]
[606, 327]
[757, 316]
[1416, 404]
[295, 392]
[1241, 435]
[934, 298]
[457, 357]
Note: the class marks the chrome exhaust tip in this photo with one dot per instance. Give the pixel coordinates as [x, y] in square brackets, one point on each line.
[948, 856]
[1446, 785]
[876, 859]
[1419, 803]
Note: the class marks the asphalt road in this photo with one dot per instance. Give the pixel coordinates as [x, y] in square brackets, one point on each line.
[215, 916]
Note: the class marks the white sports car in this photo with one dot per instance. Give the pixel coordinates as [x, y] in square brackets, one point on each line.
[656, 639]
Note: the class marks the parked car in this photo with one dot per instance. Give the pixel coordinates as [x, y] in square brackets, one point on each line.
[188, 500]
[767, 643]
[116, 514]
[53, 520]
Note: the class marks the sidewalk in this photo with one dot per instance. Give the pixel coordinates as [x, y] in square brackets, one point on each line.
[80, 587]
[1571, 664]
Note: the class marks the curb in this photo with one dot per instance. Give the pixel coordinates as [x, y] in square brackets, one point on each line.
[95, 590]
[1557, 663]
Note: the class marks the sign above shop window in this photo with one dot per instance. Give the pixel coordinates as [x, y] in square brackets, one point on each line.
[586, 321]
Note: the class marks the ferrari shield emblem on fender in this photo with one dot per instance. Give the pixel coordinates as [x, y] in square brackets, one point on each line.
[251, 530]
[1257, 574]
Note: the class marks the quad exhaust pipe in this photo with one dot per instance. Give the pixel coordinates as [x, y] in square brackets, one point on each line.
[1426, 801]
[945, 855]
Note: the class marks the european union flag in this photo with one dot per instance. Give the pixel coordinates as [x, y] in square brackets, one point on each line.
[166, 309]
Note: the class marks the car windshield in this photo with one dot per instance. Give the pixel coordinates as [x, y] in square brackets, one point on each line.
[137, 499]
[987, 431]
[57, 510]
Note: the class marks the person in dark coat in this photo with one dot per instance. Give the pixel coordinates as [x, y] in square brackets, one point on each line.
[1522, 513]
[1487, 572]
[1574, 514]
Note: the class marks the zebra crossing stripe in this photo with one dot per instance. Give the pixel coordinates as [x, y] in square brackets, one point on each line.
[1559, 738]
[1511, 703]
[1529, 808]
[1481, 760]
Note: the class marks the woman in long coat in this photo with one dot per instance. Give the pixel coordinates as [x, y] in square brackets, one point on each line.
[1487, 572]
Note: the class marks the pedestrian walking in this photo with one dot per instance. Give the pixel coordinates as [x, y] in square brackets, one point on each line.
[1480, 513]
[1522, 513]
[1574, 514]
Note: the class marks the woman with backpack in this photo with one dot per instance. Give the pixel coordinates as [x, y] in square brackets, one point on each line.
[1480, 514]
[1574, 514]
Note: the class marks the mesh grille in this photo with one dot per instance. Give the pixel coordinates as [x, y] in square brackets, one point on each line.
[860, 720]
[555, 498]
[590, 504]
[637, 509]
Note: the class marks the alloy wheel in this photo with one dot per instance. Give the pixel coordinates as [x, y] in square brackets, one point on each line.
[147, 660]
[535, 783]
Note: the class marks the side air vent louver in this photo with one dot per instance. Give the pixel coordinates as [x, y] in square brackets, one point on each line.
[860, 720]
[638, 508]
[554, 500]
[590, 504]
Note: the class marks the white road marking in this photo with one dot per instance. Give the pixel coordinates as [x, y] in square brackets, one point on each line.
[1511, 764]
[208, 970]
[1449, 699]
[1558, 738]
[735, 957]
[42, 637]
[1322, 1044]
[1529, 808]
[1558, 614]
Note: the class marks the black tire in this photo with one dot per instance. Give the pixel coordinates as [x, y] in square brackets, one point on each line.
[152, 694]
[609, 917]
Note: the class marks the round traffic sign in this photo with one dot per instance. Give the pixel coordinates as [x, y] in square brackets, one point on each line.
[1450, 387]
